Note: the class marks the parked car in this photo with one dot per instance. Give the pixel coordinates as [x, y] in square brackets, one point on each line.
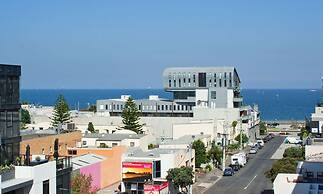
[235, 167]
[253, 150]
[228, 172]
[293, 140]
[261, 142]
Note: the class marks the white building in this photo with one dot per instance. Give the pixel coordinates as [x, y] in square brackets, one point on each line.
[30, 179]
[308, 178]
[116, 139]
[153, 165]
[186, 141]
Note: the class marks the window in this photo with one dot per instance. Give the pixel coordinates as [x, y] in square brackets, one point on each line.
[174, 107]
[189, 80]
[202, 79]
[184, 80]
[46, 187]
[158, 107]
[106, 107]
[179, 83]
[114, 144]
[42, 151]
[117, 106]
[157, 169]
[132, 144]
[72, 152]
[169, 83]
[166, 107]
[162, 107]
[121, 106]
[139, 107]
[84, 142]
[213, 94]
[174, 83]
[194, 78]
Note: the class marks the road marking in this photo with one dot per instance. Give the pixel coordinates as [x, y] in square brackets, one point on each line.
[250, 182]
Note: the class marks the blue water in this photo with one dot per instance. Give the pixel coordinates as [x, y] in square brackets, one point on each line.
[273, 104]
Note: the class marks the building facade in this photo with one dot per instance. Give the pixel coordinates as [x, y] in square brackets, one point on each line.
[213, 87]
[9, 112]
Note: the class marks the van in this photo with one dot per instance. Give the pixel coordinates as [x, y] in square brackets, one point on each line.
[239, 158]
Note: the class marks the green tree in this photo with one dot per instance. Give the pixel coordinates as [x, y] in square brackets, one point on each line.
[262, 128]
[181, 178]
[295, 152]
[215, 154]
[304, 133]
[61, 113]
[82, 184]
[25, 118]
[130, 117]
[200, 153]
[90, 127]
[234, 124]
[245, 139]
[92, 108]
[285, 165]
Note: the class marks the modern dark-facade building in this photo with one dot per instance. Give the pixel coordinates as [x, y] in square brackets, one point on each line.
[213, 87]
[9, 112]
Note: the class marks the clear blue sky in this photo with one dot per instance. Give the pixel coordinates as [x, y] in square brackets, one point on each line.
[127, 44]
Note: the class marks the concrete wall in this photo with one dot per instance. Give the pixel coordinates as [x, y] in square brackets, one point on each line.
[194, 128]
[111, 166]
[284, 184]
[39, 174]
[94, 170]
[314, 153]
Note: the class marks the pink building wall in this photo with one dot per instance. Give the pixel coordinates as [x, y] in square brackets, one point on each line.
[95, 171]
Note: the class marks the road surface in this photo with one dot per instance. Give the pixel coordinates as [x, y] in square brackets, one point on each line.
[250, 179]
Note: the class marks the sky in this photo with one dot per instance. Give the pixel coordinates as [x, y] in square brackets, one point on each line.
[103, 44]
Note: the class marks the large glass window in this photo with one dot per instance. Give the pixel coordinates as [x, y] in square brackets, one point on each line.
[202, 79]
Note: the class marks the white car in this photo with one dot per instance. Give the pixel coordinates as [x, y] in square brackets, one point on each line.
[261, 142]
[293, 140]
[253, 151]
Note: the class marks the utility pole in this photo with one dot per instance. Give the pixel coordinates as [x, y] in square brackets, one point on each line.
[223, 151]
[241, 135]
[224, 142]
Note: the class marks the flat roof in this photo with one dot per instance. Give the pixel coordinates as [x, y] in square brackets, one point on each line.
[113, 136]
[14, 184]
[186, 139]
[86, 160]
[139, 153]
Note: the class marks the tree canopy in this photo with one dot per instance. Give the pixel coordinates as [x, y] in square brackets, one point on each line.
[245, 139]
[25, 118]
[181, 178]
[215, 154]
[82, 184]
[61, 113]
[130, 117]
[284, 165]
[200, 152]
[90, 127]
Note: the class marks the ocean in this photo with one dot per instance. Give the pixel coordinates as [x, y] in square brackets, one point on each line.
[274, 104]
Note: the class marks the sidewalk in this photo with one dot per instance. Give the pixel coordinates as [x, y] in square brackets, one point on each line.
[110, 189]
[205, 181]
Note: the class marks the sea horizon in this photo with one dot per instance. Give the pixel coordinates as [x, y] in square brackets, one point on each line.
[274, 104]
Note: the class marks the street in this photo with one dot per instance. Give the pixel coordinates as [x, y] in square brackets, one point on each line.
[250, 179]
